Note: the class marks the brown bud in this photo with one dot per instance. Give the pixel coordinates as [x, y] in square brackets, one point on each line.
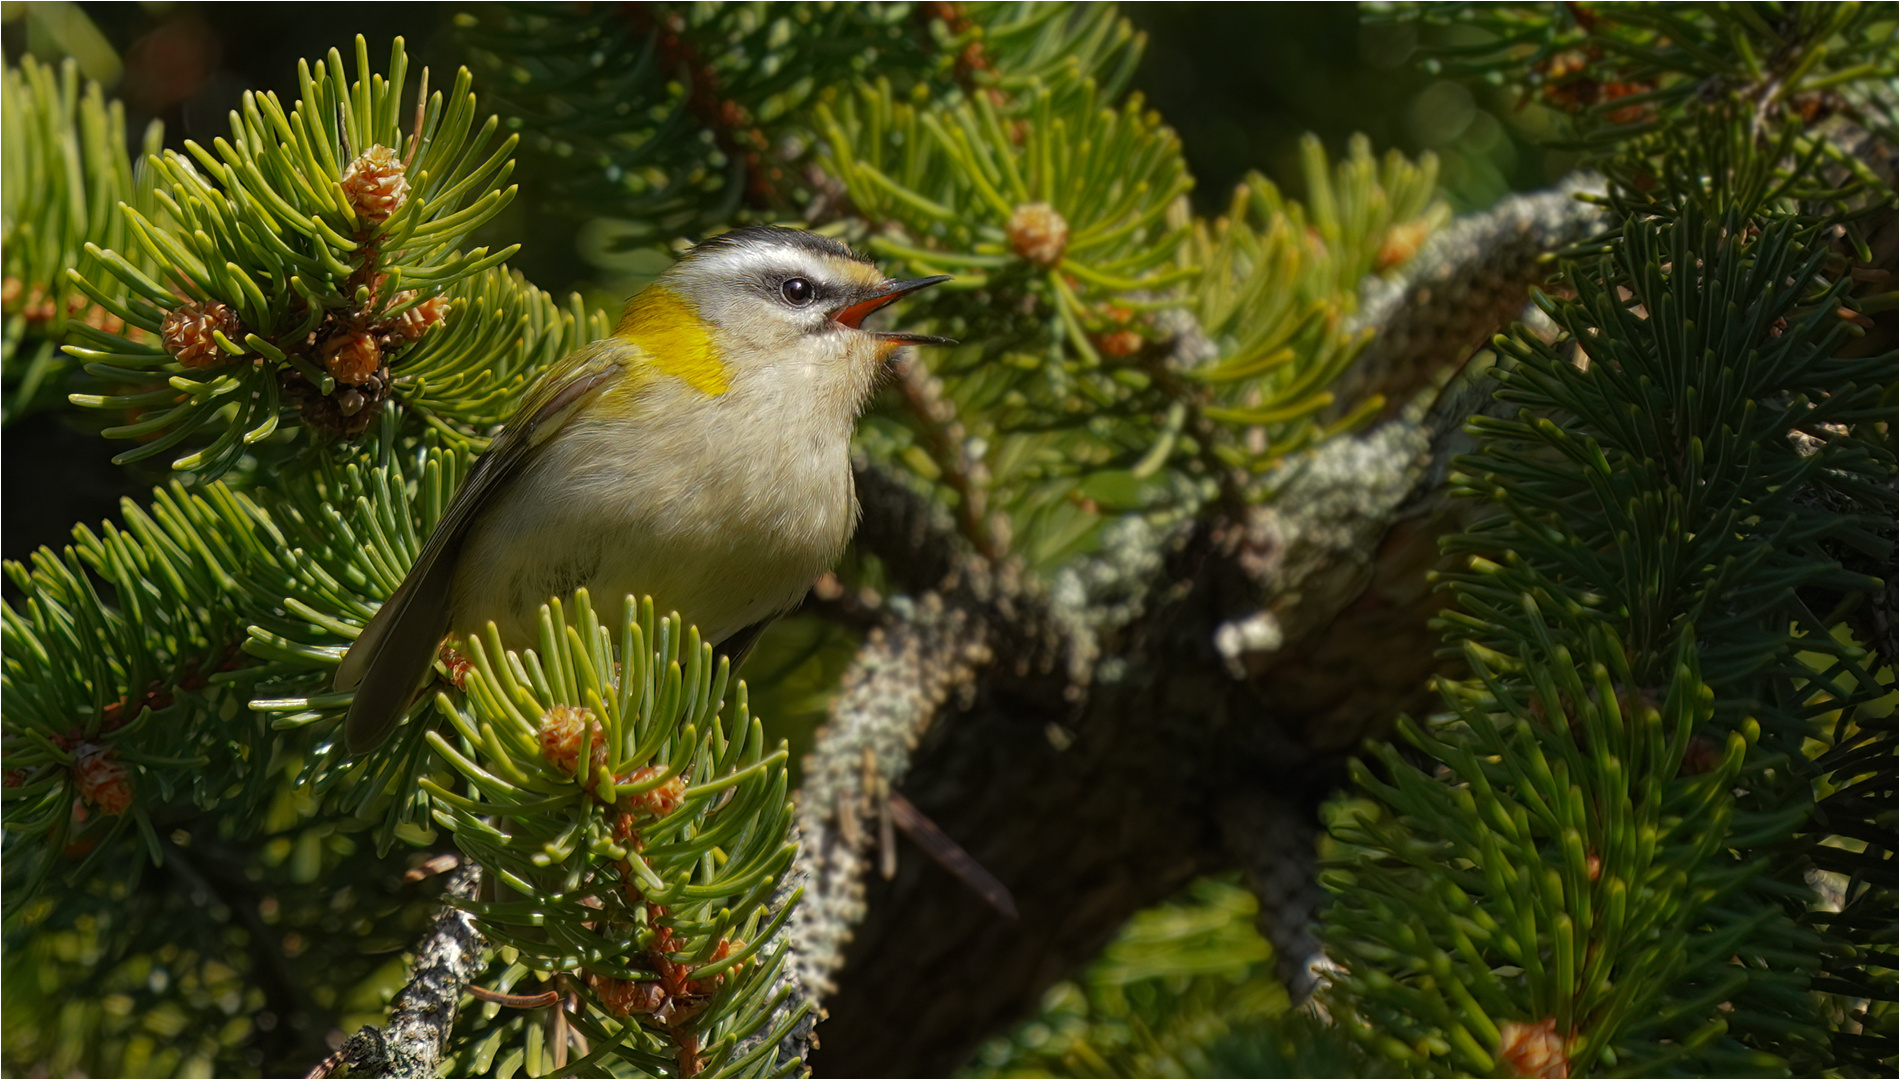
[38, 307]
[458, 664]
[375, 185]
[1534, 1049]
[560, 735]
[352, 356]
[1118, 344]
[97, 317]
[101, 778]
[419, 320]
[187, 329]
[348, 412]
[82, 844]
[1038, 233]
[1400, 243]
[725, 948]
[658, 801]
[624, 996]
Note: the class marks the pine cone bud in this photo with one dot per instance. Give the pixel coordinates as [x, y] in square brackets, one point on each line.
[1038, 233]
[101, 778]
[658, 801]
[375, 185]
[725, 948]
[37, 306]
[560, 735]
[85, 841]
[1534, 1049]
[348, 412]
[187, 331]
[352, 356]
[1118, 344]
[458, 664]
[1121, 338]
[1401, 242]
[418, 320]
[624, 996]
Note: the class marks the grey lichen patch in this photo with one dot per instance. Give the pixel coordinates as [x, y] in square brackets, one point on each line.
[1472, 278]
[1312, 548]
[1112, 588]
[1258, 633]
[906, 672]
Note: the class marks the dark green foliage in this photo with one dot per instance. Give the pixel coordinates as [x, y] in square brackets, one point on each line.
[1630, 72]
[655, 127]
[1624, 830]
[219, 961]
[636, 119]
[663, 849]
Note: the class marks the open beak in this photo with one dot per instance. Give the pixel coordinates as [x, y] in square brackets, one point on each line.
[854, 312]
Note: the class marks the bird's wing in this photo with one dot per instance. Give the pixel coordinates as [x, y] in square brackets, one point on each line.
[394, 652]
[739, 644]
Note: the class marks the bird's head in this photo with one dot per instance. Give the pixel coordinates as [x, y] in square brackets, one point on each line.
[762, 298]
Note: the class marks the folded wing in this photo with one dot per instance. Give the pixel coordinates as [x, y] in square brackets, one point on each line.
[393, 655]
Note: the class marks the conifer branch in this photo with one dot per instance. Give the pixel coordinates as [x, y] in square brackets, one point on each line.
[1636, 669]
[296, 263]
[1468, 282]
[904, 675]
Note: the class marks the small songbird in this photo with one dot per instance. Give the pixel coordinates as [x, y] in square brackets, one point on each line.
[699, 455]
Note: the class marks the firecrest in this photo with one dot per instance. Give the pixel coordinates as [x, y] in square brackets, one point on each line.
[698, 455]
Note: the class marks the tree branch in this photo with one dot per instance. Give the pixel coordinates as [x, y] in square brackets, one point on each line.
[423, 1011]
[1472, 278]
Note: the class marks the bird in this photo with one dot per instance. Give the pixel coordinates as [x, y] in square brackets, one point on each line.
[699, 454]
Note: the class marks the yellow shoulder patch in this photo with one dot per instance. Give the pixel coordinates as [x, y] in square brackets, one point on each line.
[674, 338]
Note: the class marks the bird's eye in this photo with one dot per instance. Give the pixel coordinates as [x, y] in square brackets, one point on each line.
[797, 292]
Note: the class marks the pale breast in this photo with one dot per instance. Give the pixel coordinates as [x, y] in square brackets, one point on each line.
[724, 519]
